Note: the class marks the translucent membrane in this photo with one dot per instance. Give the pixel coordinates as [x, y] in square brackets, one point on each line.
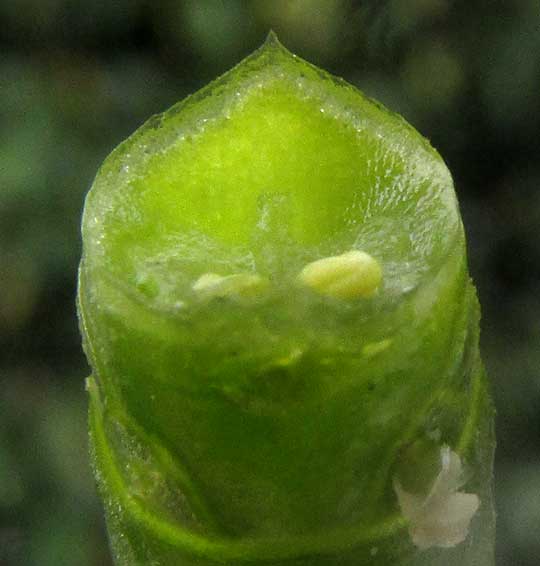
[284, 338]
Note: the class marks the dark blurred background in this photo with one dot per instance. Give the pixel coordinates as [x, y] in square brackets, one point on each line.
[78, 76]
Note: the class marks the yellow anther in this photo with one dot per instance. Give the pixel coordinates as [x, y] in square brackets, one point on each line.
[347, 276]
[241, 285]
[292, 358]
[374, 348]
[207, 282]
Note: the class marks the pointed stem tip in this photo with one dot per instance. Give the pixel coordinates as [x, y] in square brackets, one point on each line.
[272, 41]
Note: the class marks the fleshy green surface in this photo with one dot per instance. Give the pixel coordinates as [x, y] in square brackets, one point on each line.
[271, 429]
[273, 165]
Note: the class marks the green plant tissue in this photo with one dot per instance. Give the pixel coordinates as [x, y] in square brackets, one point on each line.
[275, 302]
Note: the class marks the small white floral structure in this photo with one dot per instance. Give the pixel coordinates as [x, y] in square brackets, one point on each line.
[441, 518]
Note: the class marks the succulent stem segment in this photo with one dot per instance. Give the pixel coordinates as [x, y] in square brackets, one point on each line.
[275, 303]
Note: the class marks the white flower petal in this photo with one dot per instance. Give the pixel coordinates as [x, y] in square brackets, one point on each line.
[442, 517]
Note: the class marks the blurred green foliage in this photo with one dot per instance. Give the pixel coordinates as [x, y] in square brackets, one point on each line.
[77, 77]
